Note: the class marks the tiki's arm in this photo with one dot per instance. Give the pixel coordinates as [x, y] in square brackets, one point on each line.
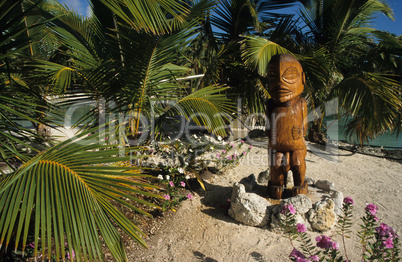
[268, 110]
[304, 113]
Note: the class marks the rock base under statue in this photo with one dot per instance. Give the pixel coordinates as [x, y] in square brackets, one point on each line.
[318, 209]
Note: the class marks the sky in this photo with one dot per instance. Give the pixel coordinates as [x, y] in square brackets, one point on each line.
[381, 22]
[384, 23]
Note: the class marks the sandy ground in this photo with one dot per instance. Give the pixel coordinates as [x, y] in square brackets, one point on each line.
[202, 230]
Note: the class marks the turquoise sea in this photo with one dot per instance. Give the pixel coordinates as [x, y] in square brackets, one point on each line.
[336, 131]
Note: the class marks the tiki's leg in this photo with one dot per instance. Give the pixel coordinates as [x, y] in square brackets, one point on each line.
[277, 174]
[298, 167]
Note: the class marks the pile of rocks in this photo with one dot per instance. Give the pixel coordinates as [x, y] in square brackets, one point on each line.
[318, 210]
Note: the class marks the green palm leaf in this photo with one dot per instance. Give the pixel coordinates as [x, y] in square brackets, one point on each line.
[65, 193]
[258, 51]
[207, 107]
[373, 101]
[149, 15]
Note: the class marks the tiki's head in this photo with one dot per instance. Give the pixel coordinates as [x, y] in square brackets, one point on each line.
[286, 78]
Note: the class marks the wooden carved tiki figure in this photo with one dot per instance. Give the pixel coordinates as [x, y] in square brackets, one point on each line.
[287, 117]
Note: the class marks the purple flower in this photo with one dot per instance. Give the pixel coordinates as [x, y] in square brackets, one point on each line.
[383, 229]
[301, 228]
[189, 196]
[372, 209]
[348, 200]
[182, 184]
[324, 242]
[171, 183]
[335, 245]
[167, 197]
[288, 208]
[291, 209]
[314, 258]
[296, 254]
[388, 243]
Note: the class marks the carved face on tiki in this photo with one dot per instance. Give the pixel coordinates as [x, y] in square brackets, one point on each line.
[286, 78]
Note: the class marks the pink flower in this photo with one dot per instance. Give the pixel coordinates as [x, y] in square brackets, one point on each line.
[189, 196]
[296, 254]
[231, 145]
[348, 200]
[244, 153]
[372, 209]
[250, 147]
[388, 243]
[314, 258]
[383, 229]
[324, 242]
[291, 209]
[218, 155]
[234, 155]
[301, 228]
[288, 208]
[171, 183]
[230, 157]
[224, 152]
[241, 141]
[182, 184]
[335, 245]
[72, 254]
[167, 197]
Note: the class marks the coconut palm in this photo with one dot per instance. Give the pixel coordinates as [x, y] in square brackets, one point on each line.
[139, 68]
[365, 90]
[15, 105]
[216, 52]
[336, 38]
[61, 196]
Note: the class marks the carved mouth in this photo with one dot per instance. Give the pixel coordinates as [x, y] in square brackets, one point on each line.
[281, 91]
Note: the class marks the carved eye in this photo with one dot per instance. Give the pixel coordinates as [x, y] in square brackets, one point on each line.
[291, 75]
[271, 77]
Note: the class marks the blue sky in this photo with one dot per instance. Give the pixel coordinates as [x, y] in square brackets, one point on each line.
[385, 24]
[382, 22]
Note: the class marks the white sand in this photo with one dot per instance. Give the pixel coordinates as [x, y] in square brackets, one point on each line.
[201, 229]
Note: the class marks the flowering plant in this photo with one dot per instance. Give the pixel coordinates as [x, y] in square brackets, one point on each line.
[231, 155]
[172, 190]
[379, 242]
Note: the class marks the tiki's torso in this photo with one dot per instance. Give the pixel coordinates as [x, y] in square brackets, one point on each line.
[284, 120]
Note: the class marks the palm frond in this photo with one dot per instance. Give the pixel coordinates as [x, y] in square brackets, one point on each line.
[234, 18]
[149, 15]
[207, 107]
[68, 184]
[373, 101]
[258, 51]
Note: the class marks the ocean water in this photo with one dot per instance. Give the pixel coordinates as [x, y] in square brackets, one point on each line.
[336, 131]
